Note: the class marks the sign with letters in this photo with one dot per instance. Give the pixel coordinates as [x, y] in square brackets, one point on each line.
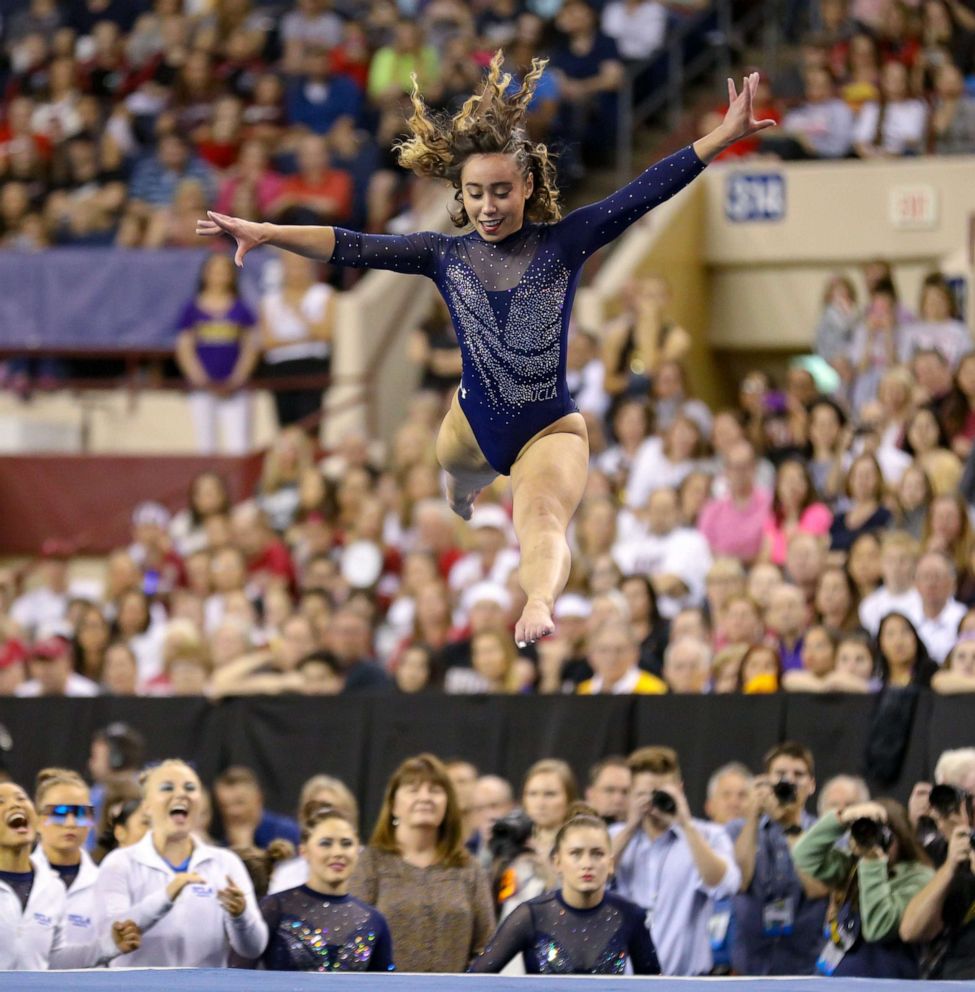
[913, 207]
[755, 197]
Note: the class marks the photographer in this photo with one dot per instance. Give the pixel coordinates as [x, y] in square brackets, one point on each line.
[943, 912]
[870, 885]
[778, 925]
[674, 866]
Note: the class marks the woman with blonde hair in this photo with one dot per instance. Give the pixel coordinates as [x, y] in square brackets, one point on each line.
[548, 791]
[494, 666]
[287, 459]
[416, 868]
[509, 285]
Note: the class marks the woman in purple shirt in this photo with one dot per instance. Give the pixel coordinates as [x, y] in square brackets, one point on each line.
[217, 350]
[509, 284]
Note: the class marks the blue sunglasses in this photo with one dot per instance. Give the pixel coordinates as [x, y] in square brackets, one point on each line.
[84, 816]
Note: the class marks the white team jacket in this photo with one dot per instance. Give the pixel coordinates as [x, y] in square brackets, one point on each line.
[192, 932]
[37, 937]
[83, 919]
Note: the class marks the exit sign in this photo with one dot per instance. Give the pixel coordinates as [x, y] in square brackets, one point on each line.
[913, 208]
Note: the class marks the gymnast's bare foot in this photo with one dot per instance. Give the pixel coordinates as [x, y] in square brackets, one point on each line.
[535, 622]
[461, 500]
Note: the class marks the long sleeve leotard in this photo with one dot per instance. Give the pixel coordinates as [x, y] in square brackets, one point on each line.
[309, 931]
[555, 939]
[510, 301]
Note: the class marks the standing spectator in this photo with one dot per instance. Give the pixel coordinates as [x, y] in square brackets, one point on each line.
[733, 525]
[491, 799]
[670, 864]
[608, 791]
[194, 902]
[778, 925]
[296, 326]
[216, 351]
[549, 789]
[871, 882]
[841, 791]
[318, 926]
[245, 820]
[416, 868]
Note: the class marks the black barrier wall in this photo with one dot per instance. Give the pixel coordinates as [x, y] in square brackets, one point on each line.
[892, 740]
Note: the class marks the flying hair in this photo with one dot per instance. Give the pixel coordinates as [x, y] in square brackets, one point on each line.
[491, 122]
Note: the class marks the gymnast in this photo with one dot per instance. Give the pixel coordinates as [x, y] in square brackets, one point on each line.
[509, 284]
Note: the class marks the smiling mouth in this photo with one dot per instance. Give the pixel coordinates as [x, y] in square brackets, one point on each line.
[179, 812]
[492, 225]
[17, 821]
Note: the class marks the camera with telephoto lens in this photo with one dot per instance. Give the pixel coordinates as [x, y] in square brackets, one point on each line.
[663, 802]
[785, 792]
[510, 835]
[869, 833]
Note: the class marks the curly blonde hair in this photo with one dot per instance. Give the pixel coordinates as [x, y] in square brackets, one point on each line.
[490, 122]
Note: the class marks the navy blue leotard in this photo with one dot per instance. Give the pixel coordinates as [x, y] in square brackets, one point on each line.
[511, 300]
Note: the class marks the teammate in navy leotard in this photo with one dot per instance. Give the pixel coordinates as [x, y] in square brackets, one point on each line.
[509, 284]
[579, 929]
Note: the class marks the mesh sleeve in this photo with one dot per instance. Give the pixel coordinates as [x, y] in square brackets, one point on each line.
[417, 254]
[513, 937]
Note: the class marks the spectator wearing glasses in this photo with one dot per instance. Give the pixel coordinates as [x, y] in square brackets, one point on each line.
[778, 922]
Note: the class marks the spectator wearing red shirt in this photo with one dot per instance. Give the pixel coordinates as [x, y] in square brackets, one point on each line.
[318, 194]
[16, 131]
[267, 556]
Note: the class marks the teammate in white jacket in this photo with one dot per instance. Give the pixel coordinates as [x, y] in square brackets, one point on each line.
[33, 902]
[193, 902]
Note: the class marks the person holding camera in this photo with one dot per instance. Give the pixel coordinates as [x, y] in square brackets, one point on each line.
[671, 864]
[871, 883]
[580, 928]
[943, 912]
[778, 923]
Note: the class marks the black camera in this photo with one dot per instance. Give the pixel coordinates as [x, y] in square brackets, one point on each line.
[946, 800]
[663, 802]
[785, 792]
[871, 833]
[510, 835]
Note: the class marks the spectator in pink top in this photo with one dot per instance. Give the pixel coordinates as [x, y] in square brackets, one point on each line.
[794, 511]
[734, 525]
[254, 172]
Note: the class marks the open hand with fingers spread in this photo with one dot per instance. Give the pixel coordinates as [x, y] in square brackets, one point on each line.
[739, 120]
[247, 233]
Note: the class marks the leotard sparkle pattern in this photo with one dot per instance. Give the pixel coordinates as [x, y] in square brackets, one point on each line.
[510, 301]
[555, 939]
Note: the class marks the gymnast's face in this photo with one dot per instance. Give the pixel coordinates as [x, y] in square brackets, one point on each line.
[495, 193]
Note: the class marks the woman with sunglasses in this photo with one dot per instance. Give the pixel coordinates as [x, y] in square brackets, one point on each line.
[34, 911]
[66, 818]
[194, 902]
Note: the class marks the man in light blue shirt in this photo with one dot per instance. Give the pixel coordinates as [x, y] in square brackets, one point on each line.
[671, 864]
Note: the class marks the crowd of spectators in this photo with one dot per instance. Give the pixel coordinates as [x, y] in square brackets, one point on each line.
[781, 875]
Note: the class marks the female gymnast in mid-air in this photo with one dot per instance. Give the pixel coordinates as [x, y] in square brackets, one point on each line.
[509, 283]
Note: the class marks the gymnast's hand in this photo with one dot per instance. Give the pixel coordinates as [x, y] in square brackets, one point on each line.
[739, 121]
[246, 233]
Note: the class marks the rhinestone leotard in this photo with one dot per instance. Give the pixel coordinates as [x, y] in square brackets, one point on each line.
[555, 939]
[510, 301]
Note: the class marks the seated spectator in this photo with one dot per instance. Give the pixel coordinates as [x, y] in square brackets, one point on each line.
[865, 511]
[821, 126]
[350, 641]
[877, 343]
[687, 666]
[156, 178]
[927, 443]
[778, 920]
[729, 793]
[614, 655]
[794, 509]
[937, 326]
[393, 66]
[494, 666]
[787, 619]
[741, 622]
[863, 563]
[492, 557]
[913, 498]
[837, 322]
[957, 675]
[898, 561]
[245, 820]
[638, 27]
[760, 671]
[856, 667]
[896, 123]
[664, 462]
[836, 601]
[664, 857]
[825, 449]
[251, 170]
[952, 113]
[120, 673]
[904, 659]
[415, 866]
[670, 395]
[889, 868]
[317, 193]
[310, 26]
[51, 670]
[321, 675]
[818, 663]
[267, 558]
[733, 525]
[940, 613]
[316, 99]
